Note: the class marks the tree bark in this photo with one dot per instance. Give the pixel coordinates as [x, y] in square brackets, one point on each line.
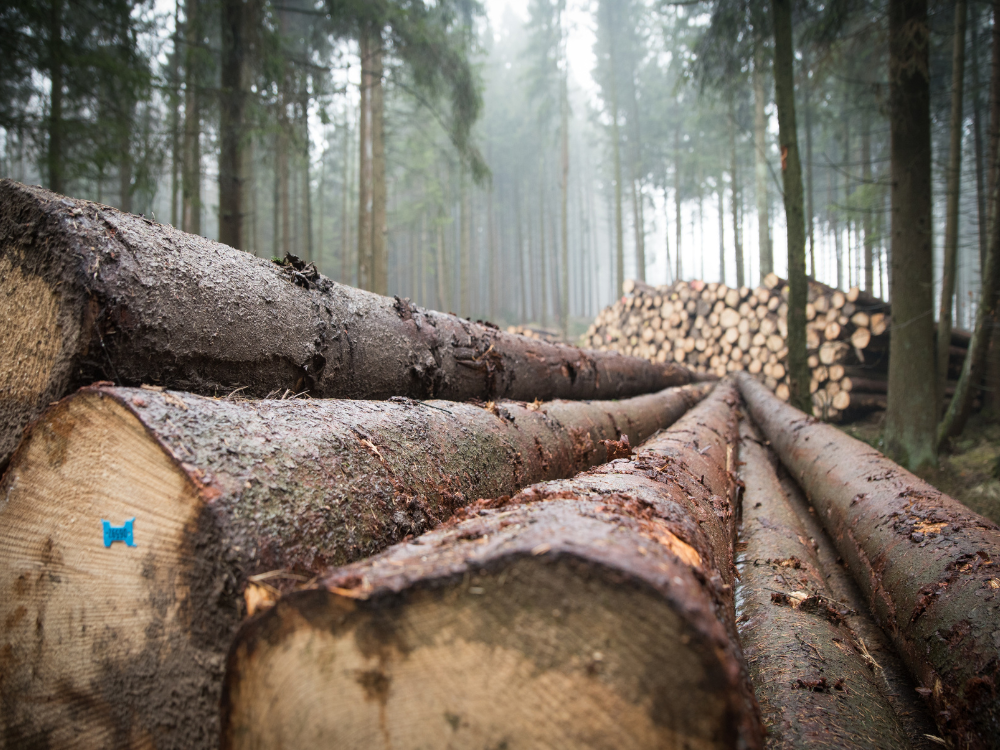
[954, 177]
[937, 603]
[740, 271]
[231, 500]
[564, 196]
[113, 296]
[678, 224]
[636, 560]
[616, 156]
[191, 173]
[868, 222]
[912, 414]
[810, 214]
[379, 229]
[807, 665]
[365, 178]
[791, 173]
[232, 130]
[55, 158]
[760, 160]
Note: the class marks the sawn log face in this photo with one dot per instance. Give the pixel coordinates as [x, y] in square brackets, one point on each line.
[91, 293]
[595, 612]
[929, 566]
[105, 643]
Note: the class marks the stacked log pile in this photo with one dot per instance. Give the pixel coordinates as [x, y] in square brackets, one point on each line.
[712, 328]
[540, 334]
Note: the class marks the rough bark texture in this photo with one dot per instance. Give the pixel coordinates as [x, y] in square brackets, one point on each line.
[912, 414]
[895, 680]
[815, 686]
[927, 564]
[230, 499]
[111, 296]
[791, 177]
[595, 612]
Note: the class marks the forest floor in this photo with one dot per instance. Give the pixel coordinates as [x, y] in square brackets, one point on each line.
[969, 473]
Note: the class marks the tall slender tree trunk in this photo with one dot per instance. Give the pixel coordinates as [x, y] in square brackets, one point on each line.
[232, 130]
[847, 190]
[542, 259]
[366, 261]
[807, 106]
[975, 364]
[307, 208]
[380, 230]
[791, 173]
[977, 132]
[345, 221]
[835, 227]
[678, 224]
[175, 117]
[616, 155]
[564, 202]
[464, 246]
[439, 259]
[722, 230]
[740, 278]
[284, 199]
[911, 416]
[866, 176]
[954, 178]
[760, 160]
[55, 158]
[191, 177]
[521, 274]
[125, 166]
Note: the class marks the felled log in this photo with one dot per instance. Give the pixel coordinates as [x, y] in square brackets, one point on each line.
[894, 679]
[927, 564]
[811, 675]
[89, 293]
[595, 612]
[138, 527]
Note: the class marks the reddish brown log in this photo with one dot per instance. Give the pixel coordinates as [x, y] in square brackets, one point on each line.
[595, 612]
[812, 676]
[927, 564]
[232, 501]
[89, 293]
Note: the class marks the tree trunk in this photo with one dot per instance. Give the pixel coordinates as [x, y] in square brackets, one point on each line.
[535, 617]
[379, 228]
[616, 157]
[807, 665]
[121, 298]
[930, 601]
[365, 178]
[176, 155]
[791, 173]
[232, 130]
[954, 176]
[55, 157]
[912, 414]
[740, 273]
[977, 131]
[307, 210]
[191, 176]
[722, 231]
[760, 161]
[869, 224]
[231, 500]
[564, 204]
[807, 105]
[678, 224]
[542, 259]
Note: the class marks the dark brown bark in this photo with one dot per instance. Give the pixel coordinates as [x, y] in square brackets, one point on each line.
[612, 593]
[366, 260]
[55, 158]
[121, 298]
[954, 175]
[926, 563]
[912, 416]
[232, 500]
[808, 668]
[760, 157]
[232, 131]
[791, 177]
[895, 681]
[191, 172]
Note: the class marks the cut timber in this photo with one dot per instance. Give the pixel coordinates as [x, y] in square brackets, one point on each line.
[895, 680]
[808, 670]
[89, 293]
[929, 566]
[590, 613]
[107, 643]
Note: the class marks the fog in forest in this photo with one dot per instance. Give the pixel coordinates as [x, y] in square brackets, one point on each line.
[508, 161]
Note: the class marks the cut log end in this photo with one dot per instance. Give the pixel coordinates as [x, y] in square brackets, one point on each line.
[30, 348]
[540, 651]
[86, 622]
